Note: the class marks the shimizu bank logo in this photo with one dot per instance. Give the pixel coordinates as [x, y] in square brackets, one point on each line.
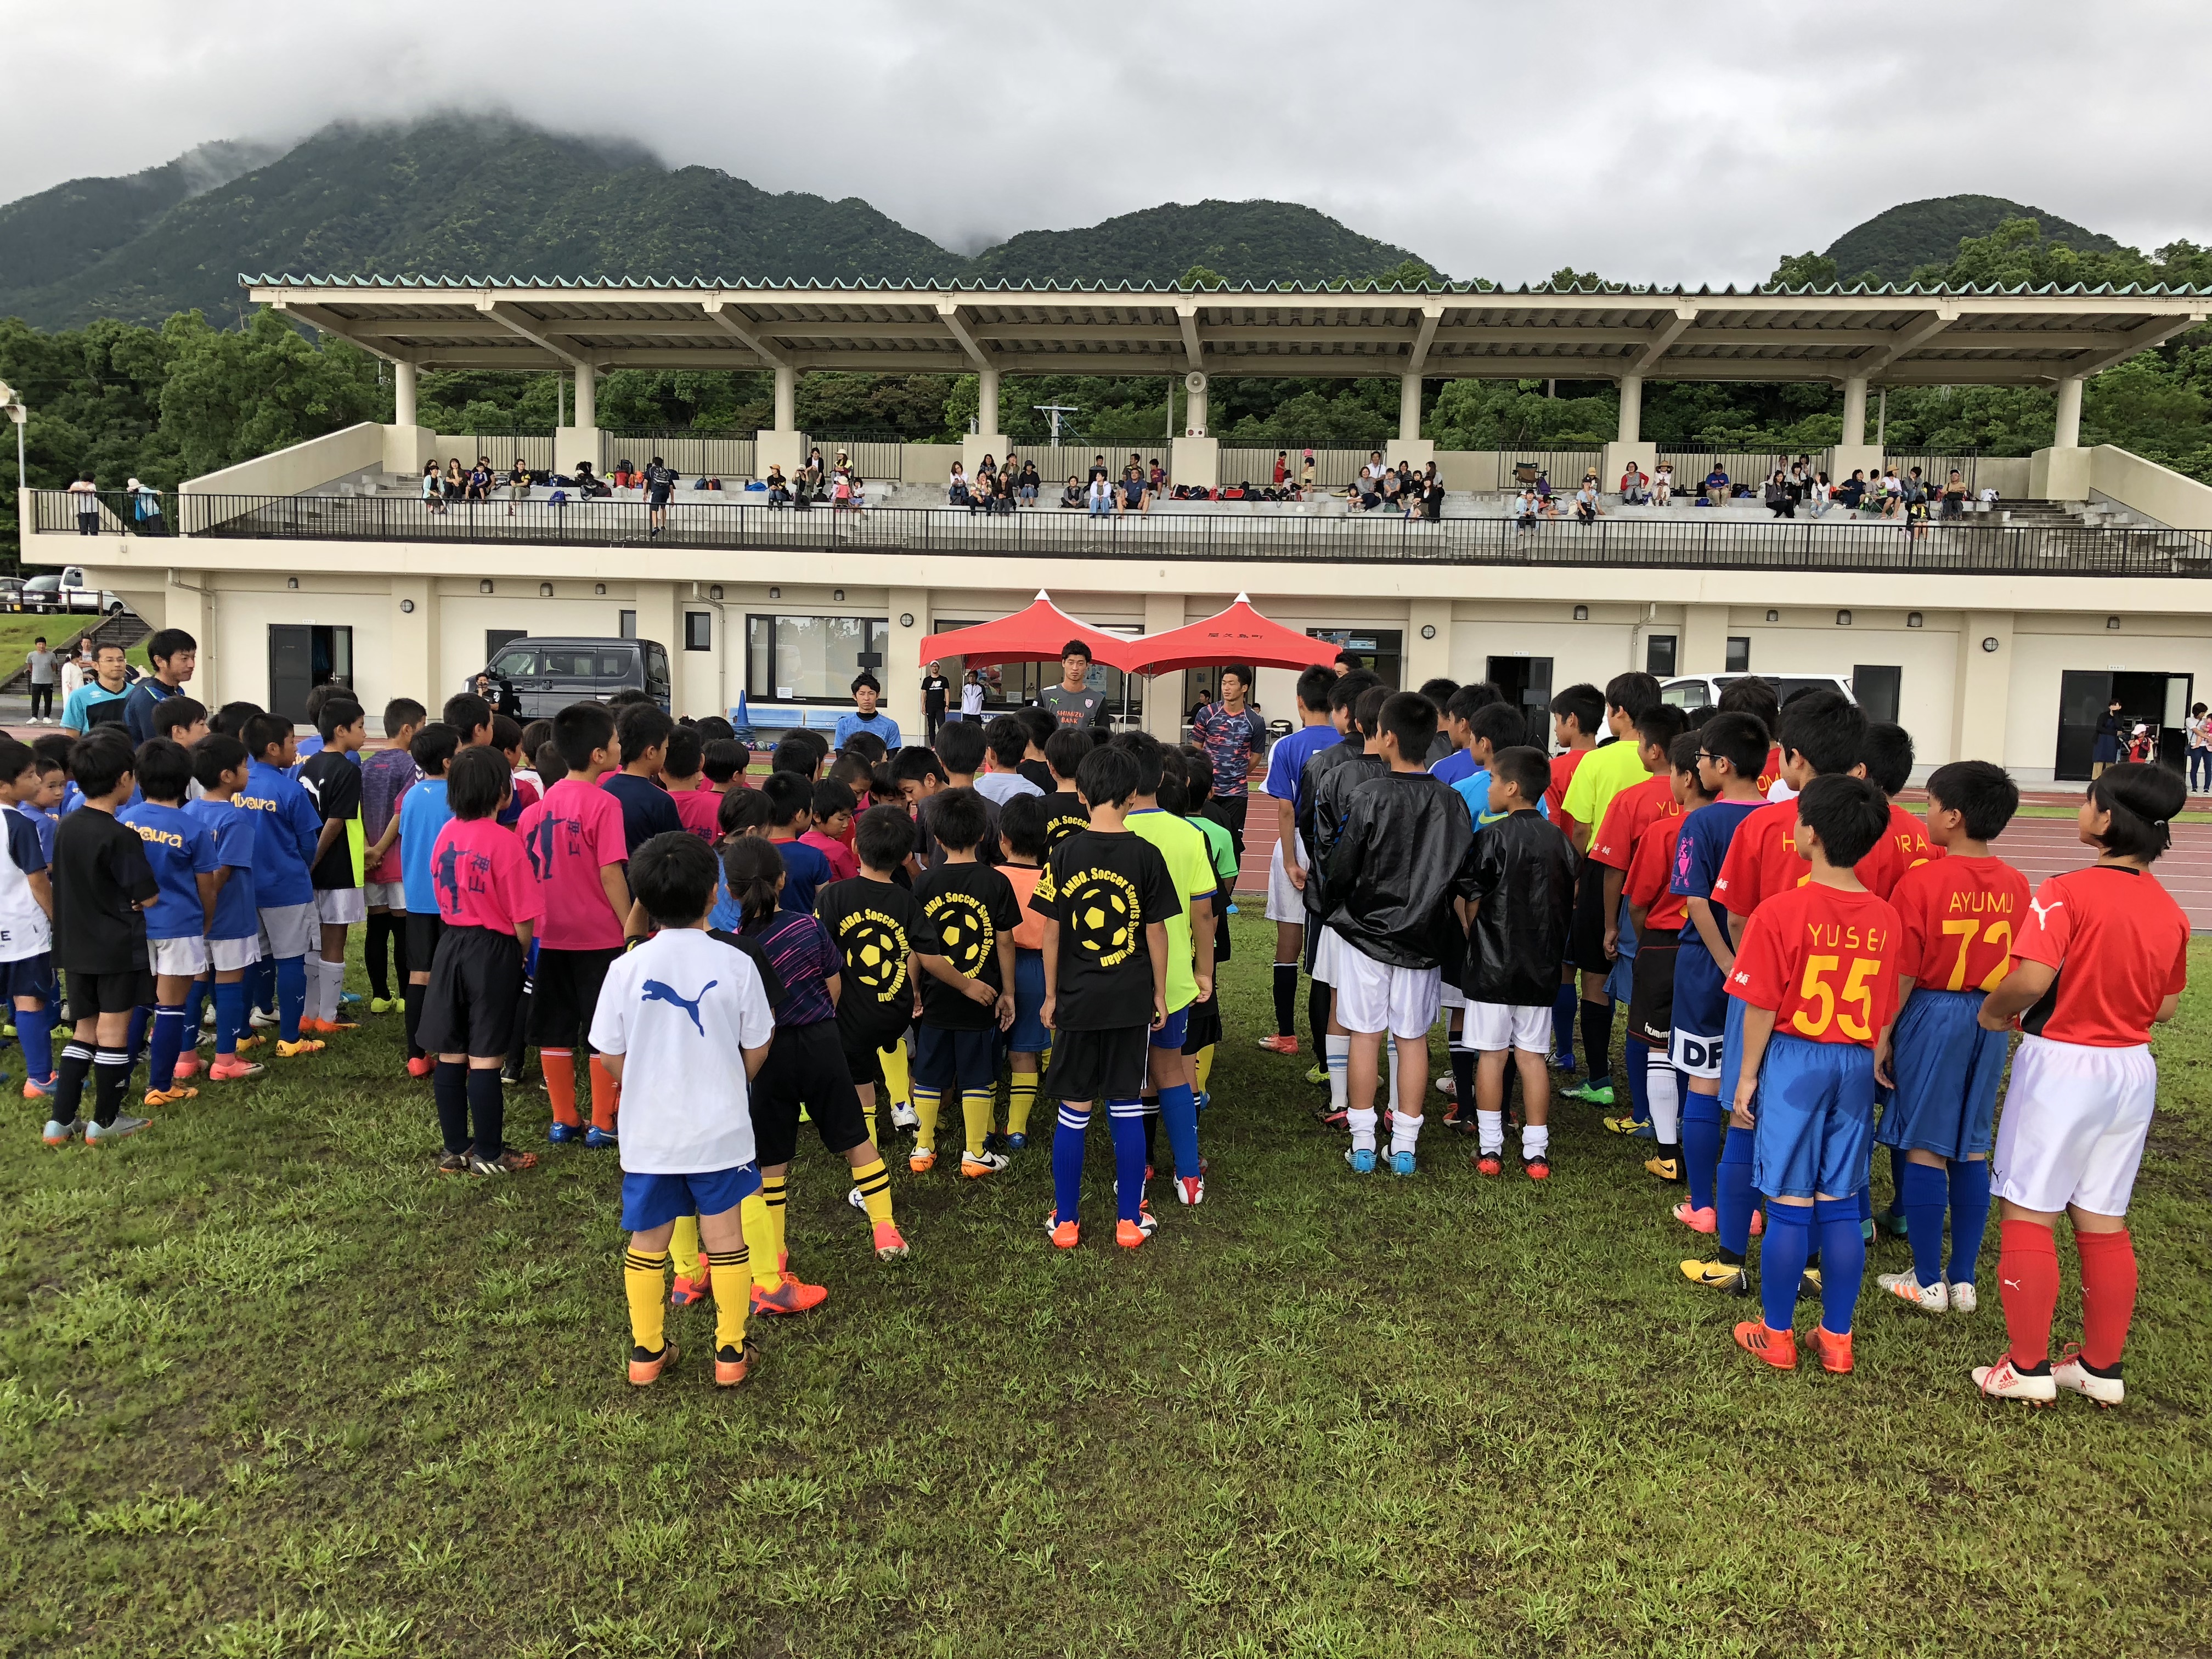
[875, 949]
[964, 927]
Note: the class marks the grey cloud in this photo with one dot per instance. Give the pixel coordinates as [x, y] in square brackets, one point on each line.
[1693, 142]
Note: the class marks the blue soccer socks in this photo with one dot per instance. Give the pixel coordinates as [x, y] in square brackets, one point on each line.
[1782, 1262]
[1924, 1192]
[1970, 1216]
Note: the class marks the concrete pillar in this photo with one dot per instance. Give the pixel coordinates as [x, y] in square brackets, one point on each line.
[1409, 408]
[402, 394]
[902, 670]
[188, 604]
[787, 398]
[1194, 417]
[1705, 640]
[1195, 461]
[988, 417]
[1631, 409]
[660, 619]
[579, 439]
[587, 407]
[413, 669]
[2067, 434]
[1855, 391]
[1429, 657]
[1163, 693]
[1980, 701]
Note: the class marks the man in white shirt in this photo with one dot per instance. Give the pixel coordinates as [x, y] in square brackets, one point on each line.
[683, 1024]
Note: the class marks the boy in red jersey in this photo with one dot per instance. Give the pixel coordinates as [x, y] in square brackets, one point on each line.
[1612, 849]
[1755, 697]
[2101, 958]
[1816, 973]
[1659, 914]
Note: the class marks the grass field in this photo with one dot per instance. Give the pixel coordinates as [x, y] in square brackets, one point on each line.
[268, 1389]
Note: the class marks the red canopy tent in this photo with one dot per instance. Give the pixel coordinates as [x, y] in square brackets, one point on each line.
[1036, 635]
[1239, 635]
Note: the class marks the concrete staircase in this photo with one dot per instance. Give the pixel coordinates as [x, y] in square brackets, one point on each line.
[124, 627]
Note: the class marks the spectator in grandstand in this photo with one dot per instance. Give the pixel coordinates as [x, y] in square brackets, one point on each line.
[1072, 495]
[1717, 482]
[1026, 490]
[1779, 502]
[1135, 497]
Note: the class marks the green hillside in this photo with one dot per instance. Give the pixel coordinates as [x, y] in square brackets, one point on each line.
[457, 197]
[1241, 241]
[1899, 240]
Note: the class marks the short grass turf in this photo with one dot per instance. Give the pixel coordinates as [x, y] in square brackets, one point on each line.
[267, 1388]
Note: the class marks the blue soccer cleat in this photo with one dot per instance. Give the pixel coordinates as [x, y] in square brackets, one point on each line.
[1401, 1164]
[1361, 1160]
[1016, 1143]
[562, 1133]
[595, 1137]
[1204, 1100]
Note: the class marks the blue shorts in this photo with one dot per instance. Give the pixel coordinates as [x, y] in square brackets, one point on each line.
[952, 1062]
[1170, 1035]
[1700, 1012]
[1731, 1050]
[1947, 1069]
[1027, 1035]
[27, 977]
[1814, 1115]
[651, 1201]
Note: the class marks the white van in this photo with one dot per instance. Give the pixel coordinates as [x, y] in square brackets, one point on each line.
[1697, 693]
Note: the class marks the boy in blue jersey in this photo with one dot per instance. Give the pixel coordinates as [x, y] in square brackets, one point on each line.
[234, 928]
[422, 813]
[1286, 908]
[185, 867]
[790, 811]
[1731, 749]
[286, 827]
[26, 902]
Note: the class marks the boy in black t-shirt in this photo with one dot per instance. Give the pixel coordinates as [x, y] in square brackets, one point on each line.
[879, 931]
[102, 886]
[1065, 812]
[333, 779]
[968, 910]
[1106, 897]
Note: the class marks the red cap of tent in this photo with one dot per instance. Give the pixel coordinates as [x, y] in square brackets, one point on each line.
[1036, 635]
[1239, 635]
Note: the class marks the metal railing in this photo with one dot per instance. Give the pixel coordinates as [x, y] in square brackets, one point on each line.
[1731, 543]
[116, 513]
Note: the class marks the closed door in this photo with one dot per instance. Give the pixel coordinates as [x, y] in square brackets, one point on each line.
[1879, 689]
[1526, 682]
[291, 670]
[2083, 694]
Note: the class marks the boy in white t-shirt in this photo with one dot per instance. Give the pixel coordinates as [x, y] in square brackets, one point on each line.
[683, 1024]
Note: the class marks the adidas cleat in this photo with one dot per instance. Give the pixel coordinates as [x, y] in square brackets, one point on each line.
[2005, 1381]
[1835, 1350]
[683, 1291]
[792, 1296]
[732, 1365]
[60, 1134]
[301, 1049]
[2072, 1372]
[645, 1368]
[1777, 1348]
[1906, 1287]
[1018, 1142]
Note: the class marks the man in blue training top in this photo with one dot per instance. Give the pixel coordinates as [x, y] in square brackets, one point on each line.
[865, 716]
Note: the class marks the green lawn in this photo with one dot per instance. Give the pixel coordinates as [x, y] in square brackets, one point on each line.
[268, 1389]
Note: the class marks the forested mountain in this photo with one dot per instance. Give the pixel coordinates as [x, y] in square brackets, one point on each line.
[455, 197]
[1899, 240]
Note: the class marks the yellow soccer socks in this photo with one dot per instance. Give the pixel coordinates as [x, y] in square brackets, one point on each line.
[1205, 1067]
[874, 1182]
[977, 1108]
[928, 1102]
[684, 1251]
[896, 1087]
[1021, 1101]
[732, 1274]
[772, 1195]
[645, 1286]
[763, 1233]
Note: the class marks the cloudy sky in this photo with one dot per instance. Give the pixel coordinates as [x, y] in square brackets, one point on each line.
[1694, 142]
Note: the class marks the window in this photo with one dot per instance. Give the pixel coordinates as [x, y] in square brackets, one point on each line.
[496, 638]
[1691, 695]
[811, 658]
[1739, 654]
[626, 625]
[698, 630]
[1659, 654]
[516, 662]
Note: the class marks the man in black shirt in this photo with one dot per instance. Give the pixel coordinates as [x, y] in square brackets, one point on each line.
[102, 884]
[934, 689]
[1106, 897]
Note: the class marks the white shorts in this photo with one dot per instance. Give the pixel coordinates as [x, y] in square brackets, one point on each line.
[1492, 1027]
[228, 955]
[180, 958]
[337, 905]
[288, 930]
[1285, 901]
[384, 896]
[1373, 997]
[1693, 1054]
[1450, 996]
[2074, 1125]
[1329, 949]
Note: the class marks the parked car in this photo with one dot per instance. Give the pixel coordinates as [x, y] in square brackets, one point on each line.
[66, 590]
[549, 674]
[1698, 694]
[11, 593]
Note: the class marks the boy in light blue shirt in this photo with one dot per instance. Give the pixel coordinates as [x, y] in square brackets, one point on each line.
[422, 813]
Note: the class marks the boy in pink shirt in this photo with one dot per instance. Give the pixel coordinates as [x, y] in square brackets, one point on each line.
[832, 834]
[697, 801]
[488, 903]
[580, 856]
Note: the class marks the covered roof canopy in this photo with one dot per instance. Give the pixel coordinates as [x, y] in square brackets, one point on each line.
[1033, 635]
[1239, 635]
[1893, 336]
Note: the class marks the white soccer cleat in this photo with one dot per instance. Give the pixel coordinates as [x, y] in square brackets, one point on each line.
[904, 1117]
[1963, 1299]
[1928, 1298]
[2071, 1373]
[2002, 1381]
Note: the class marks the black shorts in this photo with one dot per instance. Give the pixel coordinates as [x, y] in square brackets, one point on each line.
[27, 977]
[422, 930]
[1651, 1005]
[864, 1060]
[804, 1068]
[1203, 1027]
[950, 1061]
[1586, 935]
[109, 994]
[1095, 1065]
[474, 995]
[564, 994]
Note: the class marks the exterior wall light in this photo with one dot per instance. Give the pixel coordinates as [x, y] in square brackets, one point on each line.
[906, 619]
[1913, 619]
[1843, 619]
[1990, 642]
[1774, 615]
[1428, 630]
[406, 607]
[545, 590]
[484, 586]
[2112, 621]
[1582, 614]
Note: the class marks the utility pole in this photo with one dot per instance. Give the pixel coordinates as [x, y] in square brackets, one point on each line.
[1052, 412]
[19, 415]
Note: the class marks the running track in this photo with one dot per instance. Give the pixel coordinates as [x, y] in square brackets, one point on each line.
[2041, 847]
